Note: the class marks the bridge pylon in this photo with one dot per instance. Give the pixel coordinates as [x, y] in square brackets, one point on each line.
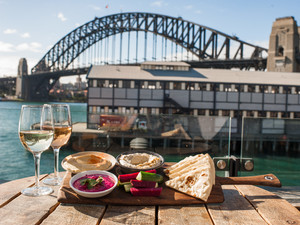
[21, 90]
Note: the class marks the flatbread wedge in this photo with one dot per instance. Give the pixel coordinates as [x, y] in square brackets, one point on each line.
[195, 176]
[199, 162]
[182, 163]
[197, 183]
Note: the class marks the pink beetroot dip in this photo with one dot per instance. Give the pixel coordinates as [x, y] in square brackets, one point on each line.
[107, 183]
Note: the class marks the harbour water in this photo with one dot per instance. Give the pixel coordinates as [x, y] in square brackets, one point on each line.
[17, 163]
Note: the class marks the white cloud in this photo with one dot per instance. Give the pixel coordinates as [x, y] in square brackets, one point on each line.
[188, 7]
[10, 31]
[25, 35]
[33, 47]
[9, 64]
[61, 17]
[97, 8]
[198, 12]
[6, 47]
[159, 4]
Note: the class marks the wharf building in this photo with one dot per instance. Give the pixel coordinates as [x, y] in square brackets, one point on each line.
[172, 88]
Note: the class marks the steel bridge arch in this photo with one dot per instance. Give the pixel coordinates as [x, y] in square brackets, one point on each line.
[202, 41]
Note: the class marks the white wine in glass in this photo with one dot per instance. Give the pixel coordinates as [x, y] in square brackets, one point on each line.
[36, 134]
[62, 133]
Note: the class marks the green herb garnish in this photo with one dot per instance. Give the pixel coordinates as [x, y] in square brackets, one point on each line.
[91, 182]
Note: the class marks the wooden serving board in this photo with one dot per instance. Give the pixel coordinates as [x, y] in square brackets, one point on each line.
[119, 197]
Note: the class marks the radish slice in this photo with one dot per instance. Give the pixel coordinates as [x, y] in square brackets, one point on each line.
[143, 184]
[146, 191]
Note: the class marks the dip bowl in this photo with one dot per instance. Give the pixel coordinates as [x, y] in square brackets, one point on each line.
[127, 169]
[93, 194]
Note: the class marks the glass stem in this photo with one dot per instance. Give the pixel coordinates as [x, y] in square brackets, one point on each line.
[56, 160]
[37, 158]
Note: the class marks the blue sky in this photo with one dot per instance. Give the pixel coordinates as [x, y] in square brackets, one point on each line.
[30, 28]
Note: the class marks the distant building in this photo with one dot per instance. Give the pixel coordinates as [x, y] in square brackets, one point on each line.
[172, 88]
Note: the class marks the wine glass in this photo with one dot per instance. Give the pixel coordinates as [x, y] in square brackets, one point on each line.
[62, 133]
[36, 134]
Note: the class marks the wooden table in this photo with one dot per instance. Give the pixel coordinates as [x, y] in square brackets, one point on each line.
[244, 204]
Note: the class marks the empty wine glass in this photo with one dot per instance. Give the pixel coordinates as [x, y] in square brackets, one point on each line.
[62, 133]
[36, 134]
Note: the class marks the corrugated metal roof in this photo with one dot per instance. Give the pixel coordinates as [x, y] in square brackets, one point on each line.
[195, 75]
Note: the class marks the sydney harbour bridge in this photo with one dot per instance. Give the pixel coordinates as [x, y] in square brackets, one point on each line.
[131, 38]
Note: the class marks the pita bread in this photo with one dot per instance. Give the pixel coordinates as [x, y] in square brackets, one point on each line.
[179, 164]
[191, 165]
[194, 176]
[196, 183]
[86, 162]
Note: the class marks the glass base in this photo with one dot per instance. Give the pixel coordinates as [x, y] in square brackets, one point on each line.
[37, 191]
[54, 181]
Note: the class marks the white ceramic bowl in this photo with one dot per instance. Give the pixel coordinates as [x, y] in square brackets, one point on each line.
[127, 169]
[93, 194]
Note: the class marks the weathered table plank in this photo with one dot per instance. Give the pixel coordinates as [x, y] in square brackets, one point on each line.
[75, 214]
[272, 208]
[183, 215]
[129, 215]
[28, 210]
[289, 193]
[244, 204]
[12, 189]
[234, 210]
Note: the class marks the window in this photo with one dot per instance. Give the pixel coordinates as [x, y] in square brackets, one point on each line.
[136, 84]
[297, 115]
[191, 86]
[203, 86]
[227, 87]
[169, 67]
[126, 84]
[297, 90]
[251, 88]
[271, 89]
[262, 114]
[151, 85]
[273, 114]
[177, 86]
[201, 112]
[111, 84]
[217, 87]
[280, 51]
[100, 83]
[250, 113]
[167, 85]
[225, 112]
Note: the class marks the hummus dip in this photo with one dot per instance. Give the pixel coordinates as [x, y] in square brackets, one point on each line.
[87, 162]
[139, 160]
